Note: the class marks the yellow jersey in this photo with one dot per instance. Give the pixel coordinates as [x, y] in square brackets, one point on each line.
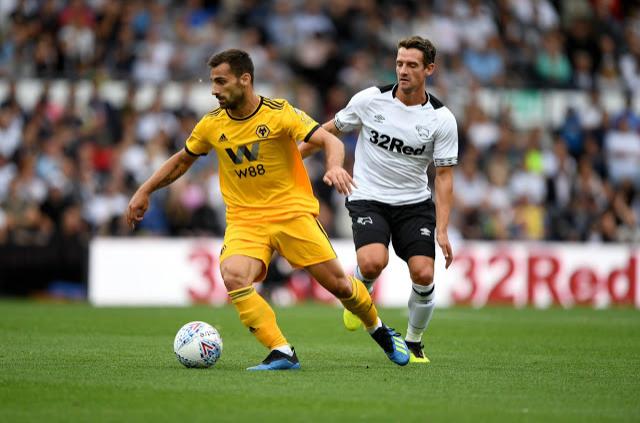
[262, 176]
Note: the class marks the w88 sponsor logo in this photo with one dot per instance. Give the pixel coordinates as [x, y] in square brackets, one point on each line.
[251, 171]
[394, 144]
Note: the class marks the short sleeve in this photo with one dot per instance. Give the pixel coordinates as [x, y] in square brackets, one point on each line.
[349, 118]
[445, 150]
[198, 144]
[299, 124]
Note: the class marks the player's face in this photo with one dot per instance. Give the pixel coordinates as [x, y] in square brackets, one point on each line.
[410, 69]
[228, 88]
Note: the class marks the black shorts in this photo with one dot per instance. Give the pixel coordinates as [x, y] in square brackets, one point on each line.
[410, 228]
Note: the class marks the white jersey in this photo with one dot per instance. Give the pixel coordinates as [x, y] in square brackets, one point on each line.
[396, 144]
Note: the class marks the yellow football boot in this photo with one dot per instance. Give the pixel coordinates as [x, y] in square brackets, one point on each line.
[350, 320]
[416, 353]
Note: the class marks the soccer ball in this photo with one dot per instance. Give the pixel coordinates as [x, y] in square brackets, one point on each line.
[198, 344]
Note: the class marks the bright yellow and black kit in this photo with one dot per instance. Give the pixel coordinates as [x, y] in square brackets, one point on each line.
[269, 200]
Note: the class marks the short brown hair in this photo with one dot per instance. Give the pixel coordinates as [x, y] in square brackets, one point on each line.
[238, 60]
[425, 46]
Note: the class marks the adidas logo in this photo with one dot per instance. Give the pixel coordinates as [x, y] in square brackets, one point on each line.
[222, 138]
[379, 118]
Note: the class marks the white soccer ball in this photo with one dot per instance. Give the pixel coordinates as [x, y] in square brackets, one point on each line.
[198, 344]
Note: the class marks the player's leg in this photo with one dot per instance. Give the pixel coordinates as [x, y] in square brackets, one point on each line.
[421, 305]
[371, 234]
[349, 290]
[372, 259]
[243, 262]
[304, 243]
[413, 240]
[370, 224]
[357, 300]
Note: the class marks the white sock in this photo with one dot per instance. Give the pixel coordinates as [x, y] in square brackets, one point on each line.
[367, 282]
[375, 327]
[421, 305]
[285, 349]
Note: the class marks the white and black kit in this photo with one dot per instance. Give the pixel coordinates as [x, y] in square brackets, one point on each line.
[396, 144]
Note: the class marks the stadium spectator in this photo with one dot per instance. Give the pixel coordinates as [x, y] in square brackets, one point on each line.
[537, 13]
[470, 195]
[11, 126]
[608, 75]
[582, 78]
[498, 213]
[440, 28]
[630, 61]
[486, 62]
[552, 65]
[482, 131]
[622, 148]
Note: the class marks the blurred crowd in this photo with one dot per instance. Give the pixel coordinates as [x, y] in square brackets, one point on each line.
[502, 43]
[67, 170]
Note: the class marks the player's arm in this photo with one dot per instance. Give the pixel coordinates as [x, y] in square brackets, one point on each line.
[444, 198]
[308, 148]
[170, 170]
[335, 174]
[347, 119]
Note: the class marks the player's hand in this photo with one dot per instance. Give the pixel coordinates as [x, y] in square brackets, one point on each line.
[445, 246]
[138, 205]
[339, 178]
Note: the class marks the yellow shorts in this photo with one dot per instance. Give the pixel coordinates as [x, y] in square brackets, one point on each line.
[301, 240]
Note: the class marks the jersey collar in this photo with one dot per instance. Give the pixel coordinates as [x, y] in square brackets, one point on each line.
[251, 115]
[395, 89]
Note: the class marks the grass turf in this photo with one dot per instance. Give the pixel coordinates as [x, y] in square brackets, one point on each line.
[78, 363]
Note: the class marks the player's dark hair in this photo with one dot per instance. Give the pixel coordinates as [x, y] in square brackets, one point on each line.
[238, 60]
[425, 46]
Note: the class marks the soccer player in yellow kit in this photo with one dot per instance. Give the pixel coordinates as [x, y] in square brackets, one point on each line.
[270, 204]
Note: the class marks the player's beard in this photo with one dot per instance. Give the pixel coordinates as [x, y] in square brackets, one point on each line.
[232, 101]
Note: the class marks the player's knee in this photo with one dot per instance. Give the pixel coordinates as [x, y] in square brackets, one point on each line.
[423, 276]
[233, 278]
[371, 268]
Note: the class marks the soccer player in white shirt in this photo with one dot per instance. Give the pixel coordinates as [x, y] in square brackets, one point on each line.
[402, 129]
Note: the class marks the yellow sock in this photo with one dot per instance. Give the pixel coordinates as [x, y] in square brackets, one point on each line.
[361, 304]
[256, 314]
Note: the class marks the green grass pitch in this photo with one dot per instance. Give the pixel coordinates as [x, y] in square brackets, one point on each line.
[61, 363]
